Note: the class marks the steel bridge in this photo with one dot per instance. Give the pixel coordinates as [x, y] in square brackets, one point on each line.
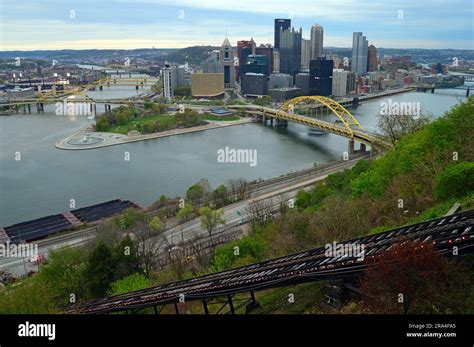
[312, 265]
[348, 126]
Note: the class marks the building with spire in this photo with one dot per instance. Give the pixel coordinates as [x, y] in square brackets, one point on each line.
[227, 62]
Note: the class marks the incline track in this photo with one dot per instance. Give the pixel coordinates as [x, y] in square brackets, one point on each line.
[444, 233]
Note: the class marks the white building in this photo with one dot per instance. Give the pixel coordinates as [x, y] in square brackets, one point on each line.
[167, 85]
[339, 82]
[305, 53]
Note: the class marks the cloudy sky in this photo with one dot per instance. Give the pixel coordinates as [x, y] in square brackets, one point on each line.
[84, 24]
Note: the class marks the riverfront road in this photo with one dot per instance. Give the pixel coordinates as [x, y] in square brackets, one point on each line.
[276, 190]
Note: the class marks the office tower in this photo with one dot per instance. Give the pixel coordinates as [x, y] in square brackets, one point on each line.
[351, 82]
[212, 64]
[320, 77]
[255, 64]
[339, 82]
[244, 49]
[280, 80]
[279, 25]
[268, 52]
[254, 84]
[317, 33]
[290, 51]
[302, 82]
[372, 58]
[227, 62]
[305, 53]
[359, 53]
[167, 85]
[276, 61]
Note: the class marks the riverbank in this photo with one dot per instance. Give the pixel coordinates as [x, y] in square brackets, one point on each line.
[105, 139]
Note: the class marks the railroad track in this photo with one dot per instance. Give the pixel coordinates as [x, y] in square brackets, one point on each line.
[444, 233]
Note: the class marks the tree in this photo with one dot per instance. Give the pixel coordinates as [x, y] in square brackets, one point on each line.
[455, 181]
[244, 251]
[64, 274]
[102, 124]
[411, 279]
[126, 259]
[150, 242]
[99, 272]
[186, 213]
[198, 193]
[395, 126]
[220, 196]
[130, 283]
[211, 218]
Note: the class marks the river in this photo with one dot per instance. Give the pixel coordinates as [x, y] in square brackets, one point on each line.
[45, 179]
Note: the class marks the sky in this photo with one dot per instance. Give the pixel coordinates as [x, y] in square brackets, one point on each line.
[128, 24]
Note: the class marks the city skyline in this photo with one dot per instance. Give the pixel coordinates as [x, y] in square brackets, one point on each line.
[116, 24]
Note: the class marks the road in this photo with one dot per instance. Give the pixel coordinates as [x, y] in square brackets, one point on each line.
[280, 191]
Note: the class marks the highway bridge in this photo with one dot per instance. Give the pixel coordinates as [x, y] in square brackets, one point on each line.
[312, 265]
[348, 126]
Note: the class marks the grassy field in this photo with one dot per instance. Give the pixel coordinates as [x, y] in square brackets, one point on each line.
[167, 121]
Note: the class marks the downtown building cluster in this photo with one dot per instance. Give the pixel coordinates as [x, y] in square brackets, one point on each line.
[296, 66]
[291, 67]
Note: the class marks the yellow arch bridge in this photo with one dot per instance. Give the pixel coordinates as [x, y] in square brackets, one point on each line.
[313, 111]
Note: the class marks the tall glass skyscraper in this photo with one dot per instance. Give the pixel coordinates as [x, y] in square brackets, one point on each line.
[320, 77]
[290, 51]
[360, 47]
[280, 24]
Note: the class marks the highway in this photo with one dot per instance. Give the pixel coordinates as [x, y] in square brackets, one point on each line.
[273, 191]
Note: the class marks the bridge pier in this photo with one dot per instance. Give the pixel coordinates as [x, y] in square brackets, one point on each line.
[363, 148]
[29, 108]
[101, 87]
[282, 122]
[432, 90]
[467, 91]
[350, 147]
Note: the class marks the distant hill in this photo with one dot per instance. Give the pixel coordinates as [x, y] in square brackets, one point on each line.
[192, 55]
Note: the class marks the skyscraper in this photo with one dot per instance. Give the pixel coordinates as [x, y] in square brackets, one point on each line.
[317, 33]
[167, 85]
[255, 64]
[276, 61]
[268, 52]
[359, 53]
[227, 61]
[280, 24]
[320, 77]
[372, 59]
[244, 49]
[290, 51]
[305, 53]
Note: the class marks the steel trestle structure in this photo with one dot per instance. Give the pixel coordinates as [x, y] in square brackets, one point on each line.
[312, 265]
